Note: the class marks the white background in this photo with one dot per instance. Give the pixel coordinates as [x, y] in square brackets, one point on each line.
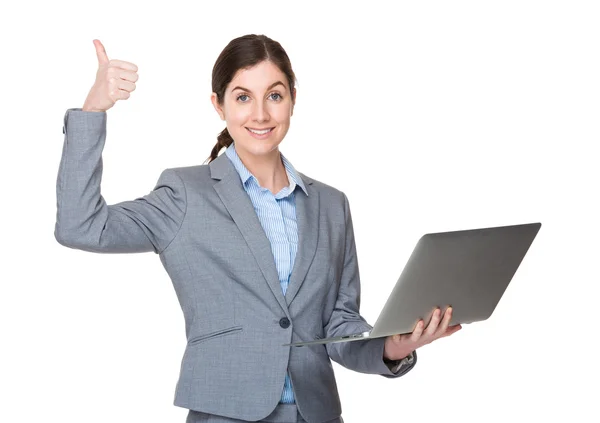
[430, 116]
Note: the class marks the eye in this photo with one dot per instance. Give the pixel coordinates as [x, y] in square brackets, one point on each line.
[277, 98]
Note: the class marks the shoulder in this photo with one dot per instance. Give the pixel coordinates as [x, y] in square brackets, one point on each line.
[327, 193]
[196, 174]
[188, 170]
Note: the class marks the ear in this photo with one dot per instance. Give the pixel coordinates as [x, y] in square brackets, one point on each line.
[217, 106]
[293, 100]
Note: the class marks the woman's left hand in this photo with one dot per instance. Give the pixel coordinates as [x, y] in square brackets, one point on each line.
[399, 346]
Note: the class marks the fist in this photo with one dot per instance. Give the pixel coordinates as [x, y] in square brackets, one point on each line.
[115, 80]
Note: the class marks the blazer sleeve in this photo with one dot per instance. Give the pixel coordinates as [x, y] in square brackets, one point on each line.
[364, 356]
[83, 219]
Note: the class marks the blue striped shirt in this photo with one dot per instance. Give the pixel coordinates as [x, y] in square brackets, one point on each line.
[277, 215]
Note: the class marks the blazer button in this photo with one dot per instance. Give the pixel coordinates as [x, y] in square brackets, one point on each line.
[284, 323]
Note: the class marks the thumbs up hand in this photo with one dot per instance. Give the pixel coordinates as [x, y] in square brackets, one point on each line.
[115, 80]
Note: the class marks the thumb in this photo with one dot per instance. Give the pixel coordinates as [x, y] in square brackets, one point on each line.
[101, 53]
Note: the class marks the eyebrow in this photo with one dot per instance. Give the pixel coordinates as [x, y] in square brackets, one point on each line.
[270, 86]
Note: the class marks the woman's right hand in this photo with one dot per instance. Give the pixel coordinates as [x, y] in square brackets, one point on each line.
[115, 80]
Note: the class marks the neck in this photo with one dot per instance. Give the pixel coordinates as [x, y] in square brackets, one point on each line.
[267, 168]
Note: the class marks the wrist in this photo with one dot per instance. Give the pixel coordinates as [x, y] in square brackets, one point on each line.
[399, 354]
[90, 109]
[396, 357]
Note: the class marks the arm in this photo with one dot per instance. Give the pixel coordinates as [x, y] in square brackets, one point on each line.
[365, 356]
[83, 219]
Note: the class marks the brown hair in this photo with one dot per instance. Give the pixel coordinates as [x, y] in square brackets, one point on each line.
[242, 53]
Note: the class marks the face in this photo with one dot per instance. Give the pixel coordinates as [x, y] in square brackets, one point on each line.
[257, 99]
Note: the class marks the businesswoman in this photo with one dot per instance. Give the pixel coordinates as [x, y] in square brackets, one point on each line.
[259, 254]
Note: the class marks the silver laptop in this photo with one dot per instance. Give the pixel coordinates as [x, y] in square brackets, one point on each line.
[469, 270]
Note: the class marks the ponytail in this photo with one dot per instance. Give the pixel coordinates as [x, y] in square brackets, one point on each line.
[223, 140]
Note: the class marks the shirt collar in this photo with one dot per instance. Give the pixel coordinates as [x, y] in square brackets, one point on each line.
[245, 174]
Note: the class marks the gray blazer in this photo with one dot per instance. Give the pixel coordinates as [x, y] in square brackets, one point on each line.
[203, 226]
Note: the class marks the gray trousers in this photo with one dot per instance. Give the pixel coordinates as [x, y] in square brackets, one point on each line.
[283, 413]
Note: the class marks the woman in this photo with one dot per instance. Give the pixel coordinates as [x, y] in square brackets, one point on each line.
[259, 254]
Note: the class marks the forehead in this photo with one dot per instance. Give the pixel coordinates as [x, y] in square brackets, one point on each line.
[258, 77]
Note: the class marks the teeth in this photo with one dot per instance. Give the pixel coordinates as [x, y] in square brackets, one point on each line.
[259, 132]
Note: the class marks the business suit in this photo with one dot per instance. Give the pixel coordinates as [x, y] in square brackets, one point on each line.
[200, 222]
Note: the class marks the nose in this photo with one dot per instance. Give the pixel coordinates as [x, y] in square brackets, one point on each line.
[260, 112]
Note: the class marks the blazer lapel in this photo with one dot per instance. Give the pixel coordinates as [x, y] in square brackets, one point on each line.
[307, 216]
[241, 209]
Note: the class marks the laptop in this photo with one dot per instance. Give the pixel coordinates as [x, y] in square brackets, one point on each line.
[468, 270]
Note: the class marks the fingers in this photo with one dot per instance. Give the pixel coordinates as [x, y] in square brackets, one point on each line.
[445, 322]
[101, 53]
[452, 329]
[126, 75]
[125, 85]
[103, 59]
[416, 334]
[123, 95]
[433, 323]
[124, 65]
[437, 328]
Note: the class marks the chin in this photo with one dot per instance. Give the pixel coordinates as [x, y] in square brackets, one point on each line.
[262, 148]
[258, 147]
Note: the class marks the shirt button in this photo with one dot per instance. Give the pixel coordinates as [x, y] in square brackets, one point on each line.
[284, 323]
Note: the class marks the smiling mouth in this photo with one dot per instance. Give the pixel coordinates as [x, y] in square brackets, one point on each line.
[260, 131]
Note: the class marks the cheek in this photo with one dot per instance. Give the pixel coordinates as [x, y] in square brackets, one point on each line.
[281, 115]
[236, 115]
[239, 116]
